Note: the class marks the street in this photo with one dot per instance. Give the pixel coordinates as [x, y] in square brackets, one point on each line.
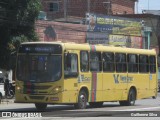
[143, 108]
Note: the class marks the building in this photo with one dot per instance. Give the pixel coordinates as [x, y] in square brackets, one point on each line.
[74, 11]
[48, 31]
[65, 8]
[151, 29]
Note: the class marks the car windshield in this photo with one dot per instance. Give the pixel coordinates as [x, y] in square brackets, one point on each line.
[39, 68]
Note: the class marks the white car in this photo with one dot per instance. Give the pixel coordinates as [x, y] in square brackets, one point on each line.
[2, 92]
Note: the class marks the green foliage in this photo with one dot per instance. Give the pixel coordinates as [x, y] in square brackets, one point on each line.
[17, 19]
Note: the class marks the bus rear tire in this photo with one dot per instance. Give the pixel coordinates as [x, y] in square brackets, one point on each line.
[41, 106]
[131, 99]
[82, 100]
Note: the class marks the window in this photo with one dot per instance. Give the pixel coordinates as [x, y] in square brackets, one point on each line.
[71, 65]
[143, 63]
[120, 60]
[152, 64]
[84, 61]
[108, 62]
[54, 7]
[95, 61]
[39, 68]
[132, 63]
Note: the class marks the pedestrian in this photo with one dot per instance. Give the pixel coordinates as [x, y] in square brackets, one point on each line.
[6, 84]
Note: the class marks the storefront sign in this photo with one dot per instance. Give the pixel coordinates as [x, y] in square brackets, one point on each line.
[114, 25]
[120, 40]
[97, 38]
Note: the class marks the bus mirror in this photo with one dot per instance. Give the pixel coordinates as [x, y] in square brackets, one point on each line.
[67, 58]
[66, 54]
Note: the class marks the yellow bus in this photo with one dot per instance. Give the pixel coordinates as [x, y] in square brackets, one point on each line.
[78, 74]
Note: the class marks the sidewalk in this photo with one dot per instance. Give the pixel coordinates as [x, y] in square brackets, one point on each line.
[7, 101]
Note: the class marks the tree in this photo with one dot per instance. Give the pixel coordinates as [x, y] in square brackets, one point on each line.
[17, 19]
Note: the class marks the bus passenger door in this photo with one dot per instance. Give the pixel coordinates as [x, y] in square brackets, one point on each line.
[70, 77]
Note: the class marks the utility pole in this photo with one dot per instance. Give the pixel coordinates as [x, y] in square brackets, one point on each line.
[107, 5]
[65, 10]
[88, 7]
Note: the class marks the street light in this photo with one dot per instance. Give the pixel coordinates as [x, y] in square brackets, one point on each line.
[108, 6]
[65, 10]
[89, 2]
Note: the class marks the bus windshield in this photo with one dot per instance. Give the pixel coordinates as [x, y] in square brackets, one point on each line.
[39, 68]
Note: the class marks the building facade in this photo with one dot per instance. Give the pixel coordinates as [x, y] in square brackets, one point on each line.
[64, 8]
[51, 31]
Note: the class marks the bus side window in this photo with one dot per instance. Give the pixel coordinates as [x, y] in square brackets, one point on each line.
[152, 64]
[84, 61]
[132, 63]
[95, 61]
[71, 65]
[120, 60]
[143, 63]
[108, 62]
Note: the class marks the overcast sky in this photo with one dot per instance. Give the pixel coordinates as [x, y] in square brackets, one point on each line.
[148, 4]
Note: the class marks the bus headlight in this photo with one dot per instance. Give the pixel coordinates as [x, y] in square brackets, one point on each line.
[56, 89]
[18, 88]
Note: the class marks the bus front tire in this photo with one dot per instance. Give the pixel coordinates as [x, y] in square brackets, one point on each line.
[82, 100]
[41, 106]
[131, 99]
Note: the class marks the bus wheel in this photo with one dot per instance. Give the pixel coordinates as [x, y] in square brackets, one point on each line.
[82, 100]
[131, 99]
[96, 104]
[41, 106]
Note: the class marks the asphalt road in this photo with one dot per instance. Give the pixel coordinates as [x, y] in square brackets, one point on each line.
[143, 108]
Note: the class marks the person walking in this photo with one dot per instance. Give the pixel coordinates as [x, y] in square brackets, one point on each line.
[6, 84]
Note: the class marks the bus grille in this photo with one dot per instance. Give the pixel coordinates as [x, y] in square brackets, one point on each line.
[42, 87]
[38, 87]
[37, 97]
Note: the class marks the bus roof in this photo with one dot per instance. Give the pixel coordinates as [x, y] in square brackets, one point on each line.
[99, 47]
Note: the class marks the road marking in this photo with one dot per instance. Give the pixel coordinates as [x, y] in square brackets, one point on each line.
[138, 109]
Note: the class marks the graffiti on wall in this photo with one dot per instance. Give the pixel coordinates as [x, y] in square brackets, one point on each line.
[50, 34]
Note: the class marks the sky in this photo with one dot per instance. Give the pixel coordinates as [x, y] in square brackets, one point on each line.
[148, 4]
